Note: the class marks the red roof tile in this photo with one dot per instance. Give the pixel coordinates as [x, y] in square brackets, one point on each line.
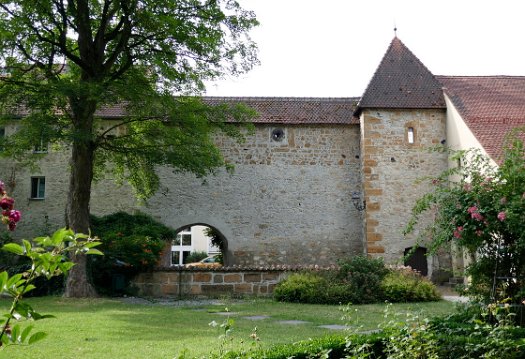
[297, 110]
[402, 81]
[282, 110]
[491, 106]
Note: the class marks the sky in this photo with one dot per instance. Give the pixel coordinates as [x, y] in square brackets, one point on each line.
[331, 48]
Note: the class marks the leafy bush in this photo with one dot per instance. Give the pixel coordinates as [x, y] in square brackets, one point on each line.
[369, 346]
[131, 244]
[303, 287]
[480, 208]
[359, 280]
[196, 256]
[363, 276]
[405, 285]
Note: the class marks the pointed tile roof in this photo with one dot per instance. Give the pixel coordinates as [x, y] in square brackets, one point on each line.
[402, 81]
[491, 106]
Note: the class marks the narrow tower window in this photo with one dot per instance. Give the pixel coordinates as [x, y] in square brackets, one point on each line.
[410, 135]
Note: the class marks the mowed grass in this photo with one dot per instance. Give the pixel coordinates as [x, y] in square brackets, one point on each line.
[110, 328]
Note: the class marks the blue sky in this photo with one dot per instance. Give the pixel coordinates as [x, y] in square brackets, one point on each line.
[331, 48]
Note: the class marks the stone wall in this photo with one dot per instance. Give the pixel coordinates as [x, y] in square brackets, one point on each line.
[286, 202]
[391, 169]
[180, 282]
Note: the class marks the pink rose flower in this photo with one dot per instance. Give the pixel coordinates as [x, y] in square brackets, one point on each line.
[14, 215]
[502, 216]
[457, 232]
[477, 216]
[7, 203]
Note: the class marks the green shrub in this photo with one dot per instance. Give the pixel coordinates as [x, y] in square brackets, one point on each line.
[305, 287]
[131, 244]
[329, 347]
[195, 257]
[362, 276]
[405, 285]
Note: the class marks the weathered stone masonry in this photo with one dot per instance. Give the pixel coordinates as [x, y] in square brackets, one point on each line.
[290, 200]
[286, 202]
[179, 282]
[391, 169]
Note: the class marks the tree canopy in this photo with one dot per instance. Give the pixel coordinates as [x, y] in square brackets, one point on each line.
[70, 65]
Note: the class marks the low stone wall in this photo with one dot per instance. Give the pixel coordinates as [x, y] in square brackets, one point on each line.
[185, 282]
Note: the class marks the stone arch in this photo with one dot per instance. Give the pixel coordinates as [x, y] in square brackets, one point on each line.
[227, 256]
[418, 260]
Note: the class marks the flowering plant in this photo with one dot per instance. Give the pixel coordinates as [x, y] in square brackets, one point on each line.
[10, 216]
[481, 208]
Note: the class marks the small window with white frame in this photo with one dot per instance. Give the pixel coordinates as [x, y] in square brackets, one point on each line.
[38, 187]
[181, 246]
[410, 135]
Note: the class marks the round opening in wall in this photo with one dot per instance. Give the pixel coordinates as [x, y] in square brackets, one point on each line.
[277, 134]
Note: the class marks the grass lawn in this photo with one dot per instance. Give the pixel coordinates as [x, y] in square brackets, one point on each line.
[109, 328]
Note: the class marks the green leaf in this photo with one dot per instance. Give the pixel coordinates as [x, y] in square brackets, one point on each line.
[14, 248]
[36, 337]
[27, 245]
[4, 339]
[62, 235]
[95, 251]
[23, 309]
[3, 280]
[15, 333]
[29, 287]
[15, 281]
[25, 333]
[91, 244]
[38, 316]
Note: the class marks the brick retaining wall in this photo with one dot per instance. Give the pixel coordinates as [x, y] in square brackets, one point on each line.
[184, 282]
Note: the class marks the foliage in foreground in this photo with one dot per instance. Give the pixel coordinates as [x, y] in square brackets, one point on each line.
[358, 280]
[480, 208]
[48, 257]
[131, 244]
[473, 332]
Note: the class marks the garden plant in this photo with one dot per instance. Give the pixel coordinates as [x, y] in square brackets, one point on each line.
[479, 208]
[48, 257]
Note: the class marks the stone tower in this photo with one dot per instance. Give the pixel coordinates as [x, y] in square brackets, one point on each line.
[402, 115]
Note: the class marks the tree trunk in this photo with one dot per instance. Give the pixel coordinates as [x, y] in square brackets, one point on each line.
[82, 162]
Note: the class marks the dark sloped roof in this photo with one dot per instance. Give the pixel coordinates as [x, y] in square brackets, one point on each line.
[491, 106]
[282, 110]
[297, 110]
[402, 81]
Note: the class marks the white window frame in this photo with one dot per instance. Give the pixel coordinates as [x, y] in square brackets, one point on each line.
[181, 248]
[411, 135]
[38, 187]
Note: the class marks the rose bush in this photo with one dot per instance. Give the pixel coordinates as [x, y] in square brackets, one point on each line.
[481, 208]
